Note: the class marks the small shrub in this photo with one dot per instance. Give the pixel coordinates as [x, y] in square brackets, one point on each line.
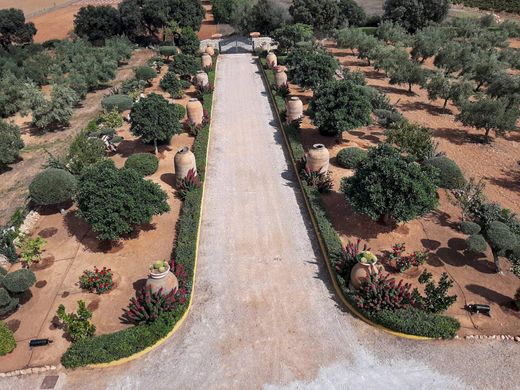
[145, 73]
[450, 176]
[469, 228]
[350, 157]
[413, 140]
[322, 181]
[147, 306]
[380, 292]
[84, 151]
[18, 281]
[111, 119]
[188, 183]
[7, 343]
[98, 281]
[8, 304]
[52, 186]
[10, 143]
[143, 163]
[404, 262]
[77, 325]
[31, 250]
[168, 51]
[436, 299]
[184, 65]
[171, 84]
[117, 102]
[476, 243]
[387, 118]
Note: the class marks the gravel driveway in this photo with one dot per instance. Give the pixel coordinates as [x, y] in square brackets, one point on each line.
[264, 313]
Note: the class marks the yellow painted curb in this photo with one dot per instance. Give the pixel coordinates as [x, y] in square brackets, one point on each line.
[323, 250]
[186, 312]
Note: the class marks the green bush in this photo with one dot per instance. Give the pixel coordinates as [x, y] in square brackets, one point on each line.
[185, 65]
[10, 143]
[144, 164]
[7, 343]
[77, 325]
[412, 139]
[469, 228]
[117, 102]
[84, 151]
[310, 67]
[476, 243]
[18, 281]
[171, 84]
[145, 73]
[450, 175]
[417, 322]
[350, 157]
[52, 186]
[168, 51]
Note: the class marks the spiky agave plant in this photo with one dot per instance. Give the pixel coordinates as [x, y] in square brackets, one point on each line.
[188, 183]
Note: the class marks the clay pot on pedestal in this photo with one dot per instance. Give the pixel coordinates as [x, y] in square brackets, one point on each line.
[294, 109]
[210, 51]
[280, 78]
[195, 111]
[318, 158]
[362, 270]
[201, 79]
[206, 61]
[184, 160]
[271, 59]
[166, 280]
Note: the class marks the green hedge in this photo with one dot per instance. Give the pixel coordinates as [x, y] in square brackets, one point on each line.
[409, 321]
[113, 346]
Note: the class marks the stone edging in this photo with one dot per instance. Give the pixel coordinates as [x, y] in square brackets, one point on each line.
[30, 370]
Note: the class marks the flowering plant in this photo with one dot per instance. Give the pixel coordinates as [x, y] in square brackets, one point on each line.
[98, 281]
[404, 262]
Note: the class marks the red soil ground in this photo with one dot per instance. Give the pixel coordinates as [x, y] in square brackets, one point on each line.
[474, 276]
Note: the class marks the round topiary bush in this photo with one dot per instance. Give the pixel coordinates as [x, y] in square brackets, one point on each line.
[450, 175]
[469, 228]
[350, 157]
[145, 73]
[52, 186]
[476, 243]
[19, 281]
[168, 51]
[143, 163]
[7, 343]
[117, 102]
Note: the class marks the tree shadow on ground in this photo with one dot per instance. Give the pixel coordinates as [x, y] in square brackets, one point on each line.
[422, 106]
[510, 180]
[456, 255]
[457, 136]
[493, 296]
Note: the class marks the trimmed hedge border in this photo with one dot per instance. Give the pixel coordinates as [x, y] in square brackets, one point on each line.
[421, 327]
[123, 344]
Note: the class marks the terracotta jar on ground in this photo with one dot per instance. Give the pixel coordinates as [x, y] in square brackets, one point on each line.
[318, 158]
[195, 111]
[210, 51]
[165, 280]
[206, 61]
[201, 79]
[280, 78]
[361, 272]
[294, 109]
[271, 59]
[184, 160]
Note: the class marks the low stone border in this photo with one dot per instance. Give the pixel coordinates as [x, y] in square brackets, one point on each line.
[29, 371]
[492, 337]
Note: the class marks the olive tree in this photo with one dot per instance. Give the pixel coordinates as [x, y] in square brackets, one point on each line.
[506, 87]
[10, 143]
[113, 201]
[416, 14]
[340, 105]
[155, 120]
[56, 111]
[309, 67]
[263, 16]
[427, 42]
[291, 34]
[223, 10]
[409, 72]
[440, 86]
[97, 23]
[392, 33]
[391, 188]
[322, 15]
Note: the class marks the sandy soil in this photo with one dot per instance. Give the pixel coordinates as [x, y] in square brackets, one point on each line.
[264, 314]
[72, 247]
[475, 280]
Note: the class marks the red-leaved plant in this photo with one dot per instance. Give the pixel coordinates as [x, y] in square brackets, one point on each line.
[404, 262]
[380, 292]
[348, 257]
[188, 183]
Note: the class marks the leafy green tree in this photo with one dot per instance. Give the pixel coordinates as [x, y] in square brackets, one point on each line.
[340, 105]
[171, 84]
[263, 16]
[485, 68]
[427, 42]
[349, 38]
[322, 15]
[443, 87]
[188, 41]
[391, 188]
[309, 67]
[351, 13]
[186, 13]
[185, 65]
[11, 94]
[223, 10]
[113, 201]
[367, 47]
[83, 152]
[409, 72]
[388, 58]
[392, 33]
[120, 48]
[412, 139]
[155, 120]
[10, 143]
[454, 57]
[13, 28]
[416, 14]
[168, 51]
[507, 88]
[57, 111]
[289, 35]
[97, 23]
[489, 114]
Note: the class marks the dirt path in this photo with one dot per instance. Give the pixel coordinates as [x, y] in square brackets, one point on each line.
[15, 181]
[264, 314]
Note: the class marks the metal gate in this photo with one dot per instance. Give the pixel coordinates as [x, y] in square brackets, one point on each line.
[235, 45]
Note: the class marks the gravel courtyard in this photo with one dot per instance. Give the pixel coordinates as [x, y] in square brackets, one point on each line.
[264, 314]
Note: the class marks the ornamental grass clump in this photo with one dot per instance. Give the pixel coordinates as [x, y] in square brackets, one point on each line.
[322, 181]
[98, 281]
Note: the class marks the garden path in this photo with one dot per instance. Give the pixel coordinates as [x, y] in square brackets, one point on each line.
[264, 313]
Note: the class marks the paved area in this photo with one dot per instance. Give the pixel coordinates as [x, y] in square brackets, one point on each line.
[264, 313]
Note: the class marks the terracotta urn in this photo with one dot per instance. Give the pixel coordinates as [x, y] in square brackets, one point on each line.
[184, 160]
[210, 51]
[165, 280]
[216, 36]
[318, 158]
[195, 111]
[254, 34]
[201, 79]
[362, 270]
[280, 78]
[206, 61]
[294, 109]
[272, 61]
